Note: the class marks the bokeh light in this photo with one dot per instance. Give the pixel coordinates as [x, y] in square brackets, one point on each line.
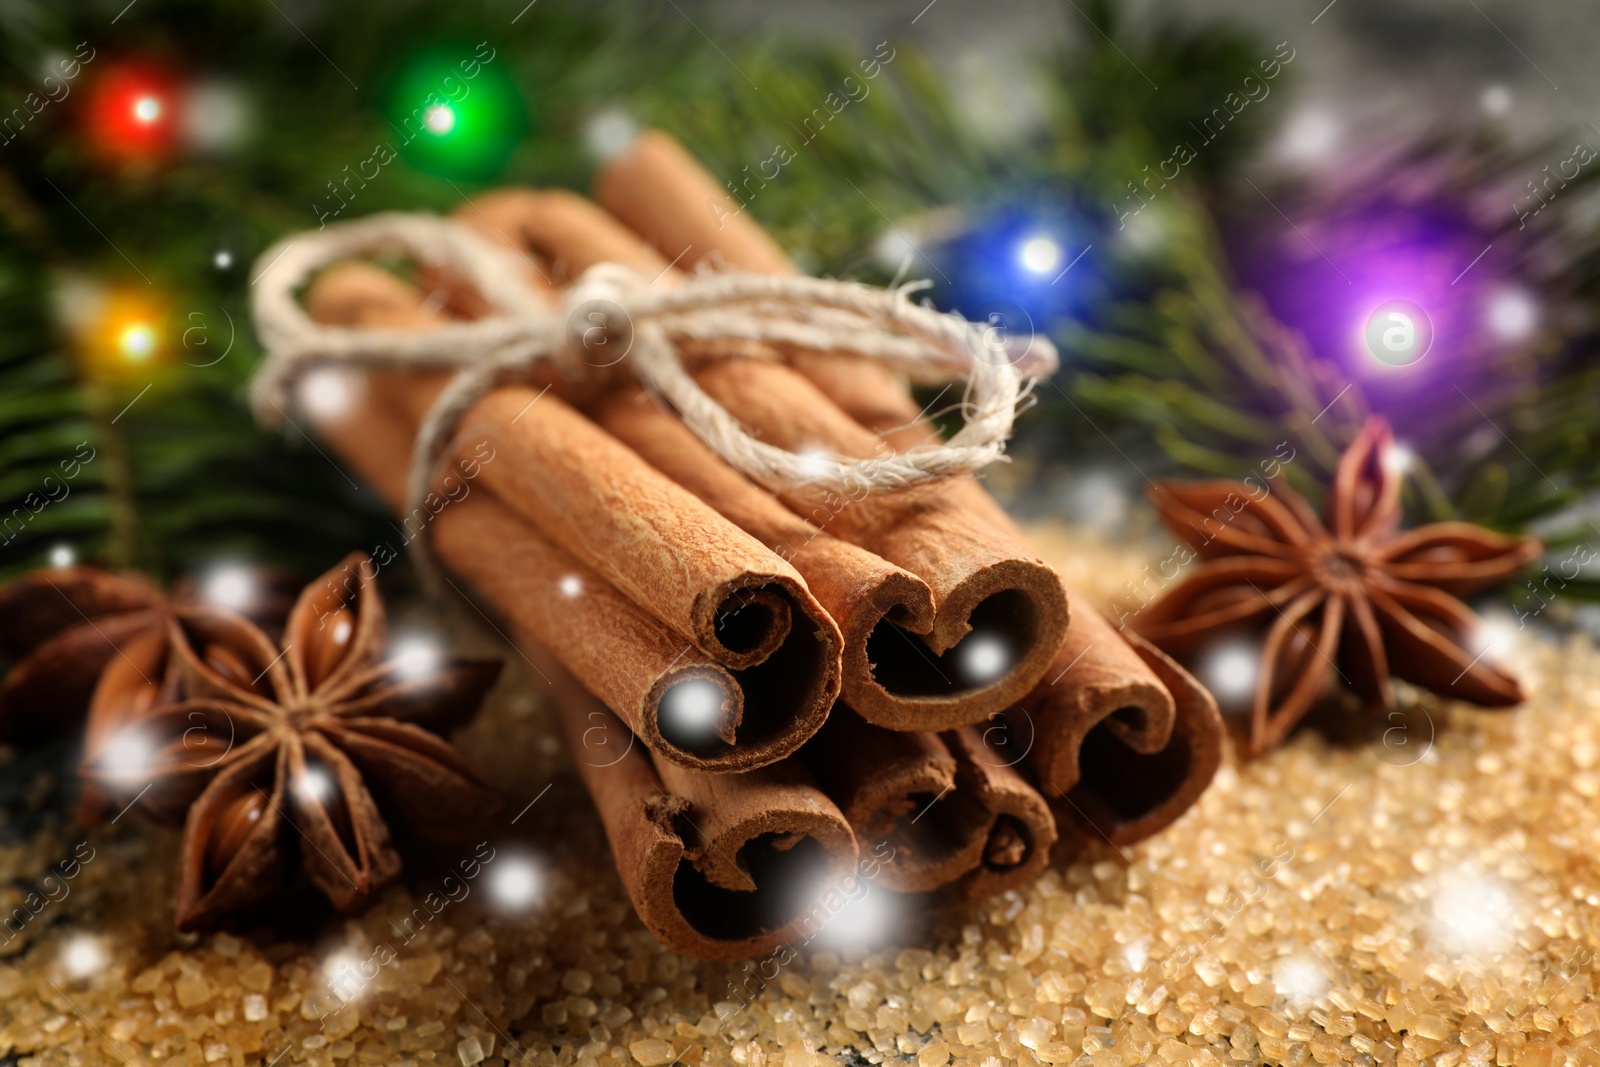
[82, 956]
[1040, 254]
[1495, 100]
[691, 711]
[1230, 672]
[328, 393]
[893, 248]
[1472, 912]
[120, 330]
[136, 341]
[132, 113]
[1398, 458]
[1021, 260]
[441, 119]
[1299, 978]
[1511, 315]
[609, 133]
[1495, 635]
[342, 971]
[515, 882]
[1398, 333]
[983, 658]
[456, 113]
[415, 656]
[314, 785]
[216, 117]
[230, 586]
[127, 751]
[1311, 136]
[866, 920]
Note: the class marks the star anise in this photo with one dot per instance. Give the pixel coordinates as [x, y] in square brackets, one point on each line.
[1352, 596]
[58, 628]
[310, 753]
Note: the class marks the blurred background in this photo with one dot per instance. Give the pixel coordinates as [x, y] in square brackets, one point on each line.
[1216, 210]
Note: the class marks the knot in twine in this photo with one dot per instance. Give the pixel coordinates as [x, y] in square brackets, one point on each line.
[614, 313]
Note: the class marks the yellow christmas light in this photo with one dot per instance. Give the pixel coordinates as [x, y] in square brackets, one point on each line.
[136, 342]
[121, 331]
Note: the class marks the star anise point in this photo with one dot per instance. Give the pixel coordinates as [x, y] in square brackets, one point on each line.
[1344, 596]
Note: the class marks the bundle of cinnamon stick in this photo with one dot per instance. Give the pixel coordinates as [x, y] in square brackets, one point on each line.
[764, 693]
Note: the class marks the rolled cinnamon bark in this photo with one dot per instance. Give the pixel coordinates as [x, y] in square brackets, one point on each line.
[568, 232]
[861, 591]
[1145, 756]
[663, 194]
[1001, 612]
[651, 539]
[991, 591]
[1105, 773]
[717, 866]
[637, 666]
[951, 807]
[900, 787]
[656, 543]
[1097, 678]
[976, 578]
[1021, 828]
[771, 673]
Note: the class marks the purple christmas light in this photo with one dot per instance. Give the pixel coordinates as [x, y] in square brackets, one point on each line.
[1340, 280]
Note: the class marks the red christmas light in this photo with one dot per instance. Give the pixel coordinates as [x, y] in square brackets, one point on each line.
[133, 113]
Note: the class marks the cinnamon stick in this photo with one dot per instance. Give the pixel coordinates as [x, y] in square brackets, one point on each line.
[556, 227]
[1097, 678]
[651, 539]
[857, 588]
[770, 673]
[1021, 829]
[978, 580]
[900, 787]
[1001, 612]
[660, 190]
[1105, 773]
[940, 533]
[951, 808]
[662, 193]
[717, 866]
[1146, 738]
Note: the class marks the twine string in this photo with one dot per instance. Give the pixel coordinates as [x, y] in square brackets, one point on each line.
[525, 330]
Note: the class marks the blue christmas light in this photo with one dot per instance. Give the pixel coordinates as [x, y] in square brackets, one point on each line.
[1040, 254]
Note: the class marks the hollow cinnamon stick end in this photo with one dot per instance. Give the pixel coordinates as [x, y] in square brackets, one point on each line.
[899, 599]
[717, 866]
[691, 716]
[1005, 623]
[1099, 683]
[744, 862]
[1125, 795]
[1021, 832]
[901, 788]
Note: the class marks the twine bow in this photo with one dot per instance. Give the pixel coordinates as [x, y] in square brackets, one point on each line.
[644, 320]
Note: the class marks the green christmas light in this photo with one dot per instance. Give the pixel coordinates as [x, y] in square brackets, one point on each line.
[456, 111]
